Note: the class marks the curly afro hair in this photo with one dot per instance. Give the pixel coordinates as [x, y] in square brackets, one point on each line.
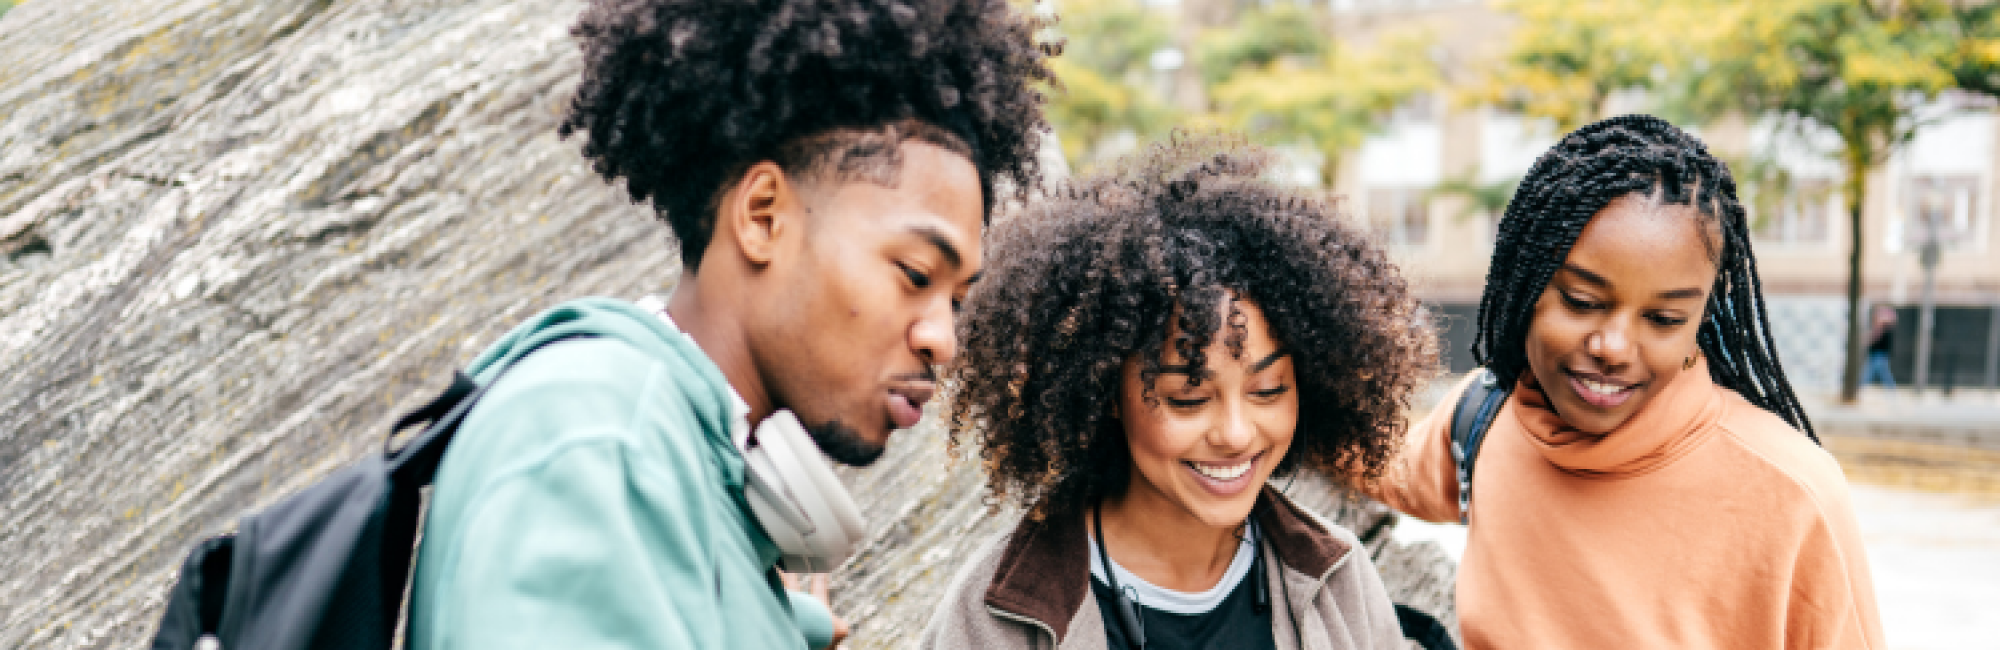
[680, 97]
[1090, 277]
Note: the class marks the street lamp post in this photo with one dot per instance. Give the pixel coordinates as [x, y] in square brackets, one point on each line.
[1927, 312]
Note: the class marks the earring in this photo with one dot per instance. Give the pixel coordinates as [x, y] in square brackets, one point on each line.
[1687, 363]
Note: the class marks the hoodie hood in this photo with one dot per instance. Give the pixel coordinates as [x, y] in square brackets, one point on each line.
[708, 391]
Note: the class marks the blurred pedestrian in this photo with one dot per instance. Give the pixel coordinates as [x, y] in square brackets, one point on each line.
[1881, 344]
[1151, 346]
[1650, 481]
[636, 476]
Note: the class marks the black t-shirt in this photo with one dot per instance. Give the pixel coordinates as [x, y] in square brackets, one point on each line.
[1234, 624]
[1884, 343]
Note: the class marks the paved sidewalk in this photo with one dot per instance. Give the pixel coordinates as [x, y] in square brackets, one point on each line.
[1936, 561]
[1966, 418]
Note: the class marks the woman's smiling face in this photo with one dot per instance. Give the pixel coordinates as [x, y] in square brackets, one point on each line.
[1618, 320]
[1207, 449]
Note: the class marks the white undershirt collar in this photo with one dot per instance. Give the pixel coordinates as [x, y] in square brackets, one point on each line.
[739, 410]
[1182, 602]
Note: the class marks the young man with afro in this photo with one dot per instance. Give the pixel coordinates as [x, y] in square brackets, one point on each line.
[827, 167]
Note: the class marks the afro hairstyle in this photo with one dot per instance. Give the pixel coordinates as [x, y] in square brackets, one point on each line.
[680, 97]
[1094, 273]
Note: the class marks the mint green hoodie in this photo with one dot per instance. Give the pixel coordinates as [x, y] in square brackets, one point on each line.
[594, 499]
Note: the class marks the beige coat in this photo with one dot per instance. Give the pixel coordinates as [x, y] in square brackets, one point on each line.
[1032, 589]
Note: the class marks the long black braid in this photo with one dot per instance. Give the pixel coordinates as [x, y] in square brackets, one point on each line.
[1587, 170]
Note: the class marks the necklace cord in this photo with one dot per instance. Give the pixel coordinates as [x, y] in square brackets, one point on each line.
[1128, 607]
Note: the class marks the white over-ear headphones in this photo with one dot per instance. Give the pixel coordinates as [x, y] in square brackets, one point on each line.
[797, 499]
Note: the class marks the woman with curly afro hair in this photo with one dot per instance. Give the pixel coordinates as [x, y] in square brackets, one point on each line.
[632, 475]
[1150, 346]
[1648, 478]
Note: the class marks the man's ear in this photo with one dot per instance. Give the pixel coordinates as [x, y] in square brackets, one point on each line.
[758, 211]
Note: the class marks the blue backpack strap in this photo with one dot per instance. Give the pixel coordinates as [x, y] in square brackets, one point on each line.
[1470, 420]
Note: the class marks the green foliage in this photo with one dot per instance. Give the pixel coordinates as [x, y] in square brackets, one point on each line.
[1275, 72]
[5, 5]
[1258, 39]
[1104, 74]
[1567, 57]
[1333, 98]
[1112, 36]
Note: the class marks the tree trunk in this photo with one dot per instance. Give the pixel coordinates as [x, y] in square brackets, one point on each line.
[1857, 194]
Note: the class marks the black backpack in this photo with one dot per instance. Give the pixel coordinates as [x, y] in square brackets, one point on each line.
[1469, 421]
[325, 568]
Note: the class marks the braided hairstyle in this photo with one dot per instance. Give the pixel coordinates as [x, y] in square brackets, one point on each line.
[1576, 179]
[680, 97]
[1099, 271]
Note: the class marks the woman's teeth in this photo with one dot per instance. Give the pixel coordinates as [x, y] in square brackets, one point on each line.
[1222, 472]
[1600, 387]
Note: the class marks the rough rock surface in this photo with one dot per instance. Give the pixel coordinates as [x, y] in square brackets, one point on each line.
[237, 237]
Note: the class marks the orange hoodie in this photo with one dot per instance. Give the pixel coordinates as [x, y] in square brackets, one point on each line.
[1702, 522]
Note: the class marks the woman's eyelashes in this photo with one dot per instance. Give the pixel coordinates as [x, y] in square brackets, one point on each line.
[1664, 320]
[1267, 394]
[917, 278]
[1579, 303]
[1261, 395]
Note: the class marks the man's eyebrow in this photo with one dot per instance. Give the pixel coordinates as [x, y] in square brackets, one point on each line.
[1587, 275]
[1267, 361]
[936, 238]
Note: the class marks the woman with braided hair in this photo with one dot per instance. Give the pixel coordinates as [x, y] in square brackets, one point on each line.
[1650, 478]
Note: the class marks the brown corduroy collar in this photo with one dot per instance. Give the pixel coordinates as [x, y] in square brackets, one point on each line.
[1045, 572]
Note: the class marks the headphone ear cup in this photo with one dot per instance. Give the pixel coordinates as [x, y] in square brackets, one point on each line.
[776, 510]
[812, 519]
[842, 525]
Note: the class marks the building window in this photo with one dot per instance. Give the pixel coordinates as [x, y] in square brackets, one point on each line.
[1402, 214]
[1941, 207]
[1803, 216]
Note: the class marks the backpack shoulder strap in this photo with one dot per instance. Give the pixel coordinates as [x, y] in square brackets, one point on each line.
[1426, 630]
[416, 462]
[194, 605]
[1470, 419]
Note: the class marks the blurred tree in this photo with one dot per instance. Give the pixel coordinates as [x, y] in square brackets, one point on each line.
[1567, 58]
[1258, 38]
[1860, 68]
[1278, 76]
[1273, 71]
[1108, 76]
